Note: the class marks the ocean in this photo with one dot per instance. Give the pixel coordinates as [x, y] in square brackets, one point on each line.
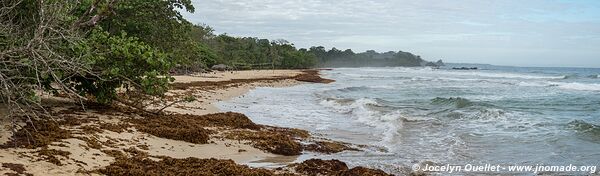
[495, 115]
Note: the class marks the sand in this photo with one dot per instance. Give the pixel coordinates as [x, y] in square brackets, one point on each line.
[83, 157]
[246, 74]
[207, 98]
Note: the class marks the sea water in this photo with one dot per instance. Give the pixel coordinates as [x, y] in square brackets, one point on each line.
[494, 115]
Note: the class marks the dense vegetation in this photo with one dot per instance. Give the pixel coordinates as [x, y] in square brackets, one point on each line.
[107, 50]
[90, 49]
[251, 53]
[254, 53]
[370, 58]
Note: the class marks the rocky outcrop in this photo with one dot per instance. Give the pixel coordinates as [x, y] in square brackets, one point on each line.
[440, 63]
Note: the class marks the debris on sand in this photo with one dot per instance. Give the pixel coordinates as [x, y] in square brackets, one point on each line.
[319, 167]
[235, 126]
[312, 76]
[329, 147]
[103, 133]
[19, 169]
[277, 143]
[115, 127]
[306, 76]
[37, 133]
[364, 171]
[174, 127]
[139, 163]
[191, 128]
[227, 119]
[50, 155]
[172, 166]
[314, 167]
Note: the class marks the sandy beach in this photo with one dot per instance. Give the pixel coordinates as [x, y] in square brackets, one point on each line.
[206, 98]
[87, 141]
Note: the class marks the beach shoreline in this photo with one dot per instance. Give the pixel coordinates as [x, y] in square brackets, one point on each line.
[208, 97]
[85, 141]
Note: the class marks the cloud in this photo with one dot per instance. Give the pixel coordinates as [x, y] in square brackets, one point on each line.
[434, 28]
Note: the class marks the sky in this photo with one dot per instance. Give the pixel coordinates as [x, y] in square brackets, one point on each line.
[556, 33]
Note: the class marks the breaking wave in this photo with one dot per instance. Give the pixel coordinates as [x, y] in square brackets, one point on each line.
[370, 112]
[576, 86]
[457, 102]
[593, 76]
[587, 130]
[505, 75]
[571, 76]
[576, 76]
[564, 85]
[353, 89]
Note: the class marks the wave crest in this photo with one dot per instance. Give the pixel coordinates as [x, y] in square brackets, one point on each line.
[576, 86]
[371, 112]
[585, 130]
[353, 89]
[457, 102]
[584, 127]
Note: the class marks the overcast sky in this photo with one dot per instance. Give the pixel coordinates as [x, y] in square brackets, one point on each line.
[502, 32]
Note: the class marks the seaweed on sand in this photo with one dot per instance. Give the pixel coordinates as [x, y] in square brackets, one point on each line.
[305, 76]
[315, 167]
[319, 167]
[274, 142]
[328, 147]
[18, 168]
[49, 155]
[172, 166]
[173, 127]
[227, 119]
[37, 133]
[312, 76]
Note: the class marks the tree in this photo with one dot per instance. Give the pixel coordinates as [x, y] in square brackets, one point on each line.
[157, 23]
[121, 61]
[60, 46]
[36, 38]
[369, 58]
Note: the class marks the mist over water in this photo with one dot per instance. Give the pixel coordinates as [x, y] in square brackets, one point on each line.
[495, 115]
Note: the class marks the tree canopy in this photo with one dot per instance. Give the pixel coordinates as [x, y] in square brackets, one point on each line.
[106, 50]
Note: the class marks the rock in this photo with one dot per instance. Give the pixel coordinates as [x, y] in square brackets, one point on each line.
[465, 68]
[431, 64]
[440, 63]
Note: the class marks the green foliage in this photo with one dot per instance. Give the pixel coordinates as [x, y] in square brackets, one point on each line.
[370, 58]
[105, 47]
[250, 53]
[204, 55]
[120, 61]
[157, 23]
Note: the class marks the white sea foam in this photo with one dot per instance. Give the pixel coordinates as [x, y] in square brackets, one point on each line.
[504, 75]
[577, 86]
[533, 84]
[382, 87]
[397, 113]
[388, 123]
